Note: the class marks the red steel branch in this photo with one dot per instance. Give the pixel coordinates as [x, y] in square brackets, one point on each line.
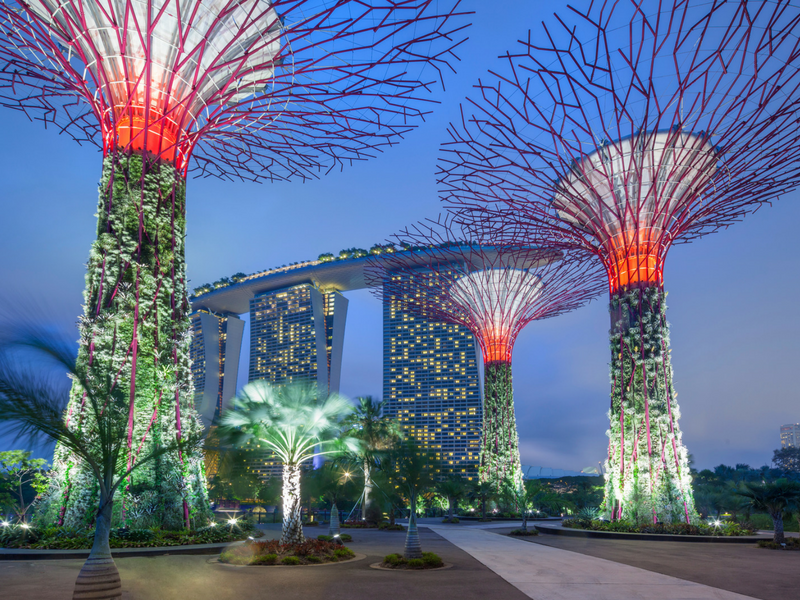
[634, 126]
[444, 272]
[250, 88]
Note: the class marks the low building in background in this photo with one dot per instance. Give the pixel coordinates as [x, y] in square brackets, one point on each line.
[790, 435]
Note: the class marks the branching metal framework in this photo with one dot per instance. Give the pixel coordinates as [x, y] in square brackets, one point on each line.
[448, 273]
[623, 130]
[247, 89]
[251, 89]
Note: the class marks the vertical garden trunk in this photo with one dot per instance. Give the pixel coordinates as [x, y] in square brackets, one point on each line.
[292, 518]
[334, 529]
[412, 548]
[99, 578]
[647, 472]
[134, 346]
[499, 454]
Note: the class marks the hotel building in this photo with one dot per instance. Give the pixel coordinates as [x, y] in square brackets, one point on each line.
[431, 384]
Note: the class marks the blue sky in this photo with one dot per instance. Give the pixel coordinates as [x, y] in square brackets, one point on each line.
[733, 295]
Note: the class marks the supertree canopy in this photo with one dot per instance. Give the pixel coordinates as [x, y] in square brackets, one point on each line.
[448, 273]
[621, 131]
[253, 89]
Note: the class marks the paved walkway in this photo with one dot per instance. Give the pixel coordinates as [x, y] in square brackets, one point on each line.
[546, 573]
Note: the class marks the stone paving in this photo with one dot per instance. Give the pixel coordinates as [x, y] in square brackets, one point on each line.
[546, 573]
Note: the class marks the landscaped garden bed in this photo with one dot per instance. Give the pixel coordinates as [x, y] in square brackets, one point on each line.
[429, 560]
[66, 538]
[724, 528]
[792, 543]
[272, 552]
[523, 532]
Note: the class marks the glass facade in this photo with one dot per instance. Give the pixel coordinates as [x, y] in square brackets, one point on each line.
[431, 384]
[214, 338]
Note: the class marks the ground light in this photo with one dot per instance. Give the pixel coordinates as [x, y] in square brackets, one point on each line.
[621, 131]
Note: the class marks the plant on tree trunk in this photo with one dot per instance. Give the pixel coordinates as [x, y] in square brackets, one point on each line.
[32, 404]
[776, 498]
[377, 433]
[499, 457]
[134, 337]
[297, 424]
[648, 477]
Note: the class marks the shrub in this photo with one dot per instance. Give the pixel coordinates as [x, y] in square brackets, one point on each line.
[314, 559]
[388, 527]
[415, 563]
[16, 536]
[725, 529]
[343, 553]
[453, 520]
[311, 524]
[290, 560]
[325, 538]
[431, 560]
[346, 537]
[792, 543]
[133, 535]
[393, 559]
[265, 559]
[522, 532]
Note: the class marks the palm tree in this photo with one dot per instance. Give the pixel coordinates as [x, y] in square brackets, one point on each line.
[452, 489]
[483, 492]
[32, 404]
[527, 496]
[773, 497]
[296, 423]
[377, 434]
[411, 469]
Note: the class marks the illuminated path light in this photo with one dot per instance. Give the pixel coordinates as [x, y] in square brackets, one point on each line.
[451, 274]
[246, 89]
[623, 131]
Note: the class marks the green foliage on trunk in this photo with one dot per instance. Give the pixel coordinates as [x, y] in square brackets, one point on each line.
[647, 472]
[499, 455]
[134, 344]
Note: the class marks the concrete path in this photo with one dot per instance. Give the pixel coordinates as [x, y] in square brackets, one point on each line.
[546, 573]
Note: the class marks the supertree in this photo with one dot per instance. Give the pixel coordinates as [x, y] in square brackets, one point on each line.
[247, 89]
[458, 275]
[623, 130]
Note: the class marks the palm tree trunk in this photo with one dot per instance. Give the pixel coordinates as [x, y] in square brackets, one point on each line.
[413, 548]
[367, 489]
[333, 529]
[524, 518]
[450, 509]
[292, 519]
[99, 577]
[777, 519]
